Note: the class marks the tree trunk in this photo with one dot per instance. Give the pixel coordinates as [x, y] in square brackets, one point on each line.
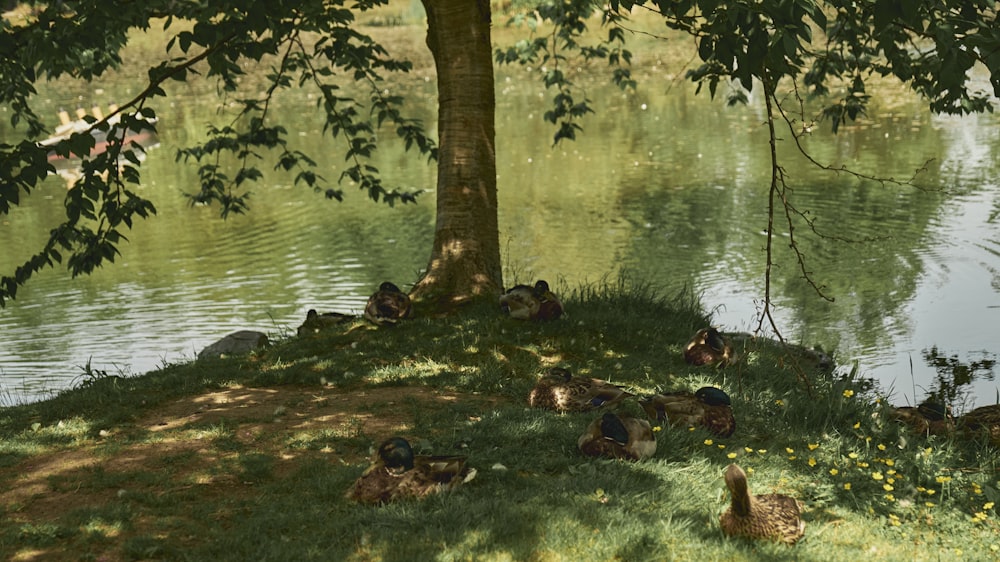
[465, 259]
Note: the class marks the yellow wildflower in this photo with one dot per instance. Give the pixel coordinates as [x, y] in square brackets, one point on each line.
[881, 447]
[847, 485]
[988, 505]
[834, 471]
[887, 487]
[813, 446]
[812, 461]
[708, 441]
[848, 393]
[789, 450]
[877, 475]
[731, 455]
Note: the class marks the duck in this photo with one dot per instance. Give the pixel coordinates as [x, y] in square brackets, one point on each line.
[929, 418]
[774, 517]
[388, 305]
[618, 437]
[538, 303]
[398, 474]
[316, 322]
[708, 347]
[985, 419]
[559, 390]
[708, 407]
[549, 305]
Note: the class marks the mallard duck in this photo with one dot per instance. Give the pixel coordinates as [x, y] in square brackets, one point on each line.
[929, 418]
[523, 302]
[316, 322]
[708, 346]
[549, 305]
[985, 419]
[709, 407]
[618, 437]
[771, 516]
[559, 390]
[387, 305]
[397, 473]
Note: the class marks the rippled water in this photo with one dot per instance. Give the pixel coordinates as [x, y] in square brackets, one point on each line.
[669, 186]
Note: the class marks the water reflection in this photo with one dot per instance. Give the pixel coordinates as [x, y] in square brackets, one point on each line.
[669, 186]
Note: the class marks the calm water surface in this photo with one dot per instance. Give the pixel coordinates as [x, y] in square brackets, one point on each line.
[668, 186]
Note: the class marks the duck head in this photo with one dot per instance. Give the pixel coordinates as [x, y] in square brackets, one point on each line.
[713, 396]
[396, 453]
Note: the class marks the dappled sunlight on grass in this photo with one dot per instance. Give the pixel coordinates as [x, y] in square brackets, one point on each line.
[250, 457]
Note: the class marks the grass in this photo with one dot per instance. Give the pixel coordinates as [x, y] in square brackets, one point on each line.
[249, 458]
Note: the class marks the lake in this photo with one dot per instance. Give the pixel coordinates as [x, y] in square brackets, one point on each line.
[668, 186]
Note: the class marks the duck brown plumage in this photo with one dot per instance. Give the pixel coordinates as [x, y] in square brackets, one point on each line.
[618, 437]
[559, 390]
[708, 347]
[388, 305]
[397, 473]
[316, 322]
[524, 302]
[709, 407]
[771, 516]
[984, 420]
[929, 418]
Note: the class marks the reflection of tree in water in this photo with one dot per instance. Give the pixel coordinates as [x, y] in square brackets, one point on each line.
[953, 377]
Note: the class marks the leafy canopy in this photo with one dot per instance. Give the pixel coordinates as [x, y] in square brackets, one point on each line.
[306, 44]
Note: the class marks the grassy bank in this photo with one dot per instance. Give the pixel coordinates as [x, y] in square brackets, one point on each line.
[249, 458]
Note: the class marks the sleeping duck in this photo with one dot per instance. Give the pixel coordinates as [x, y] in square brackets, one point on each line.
[559, 390]
[709, 407]
[316, 322]
[929, 418]
[387, 305]
[708, 347]
[618, 437]
[397, 473]
[770, 517]
[982, 420]
[523, 302]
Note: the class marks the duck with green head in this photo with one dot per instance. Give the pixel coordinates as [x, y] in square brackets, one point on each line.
[388, 305]
[618, 437]
[397, 474]
[709, 407]
[775, 517]
[929, 418]
[708, 347]
[559, 390]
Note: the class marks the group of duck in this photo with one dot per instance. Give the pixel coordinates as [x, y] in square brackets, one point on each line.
[934, 418]
[397, 472]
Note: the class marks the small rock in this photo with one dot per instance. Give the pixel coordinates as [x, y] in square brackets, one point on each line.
[236, 343]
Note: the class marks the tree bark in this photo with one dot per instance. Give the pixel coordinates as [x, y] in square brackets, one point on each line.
[465, 259]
